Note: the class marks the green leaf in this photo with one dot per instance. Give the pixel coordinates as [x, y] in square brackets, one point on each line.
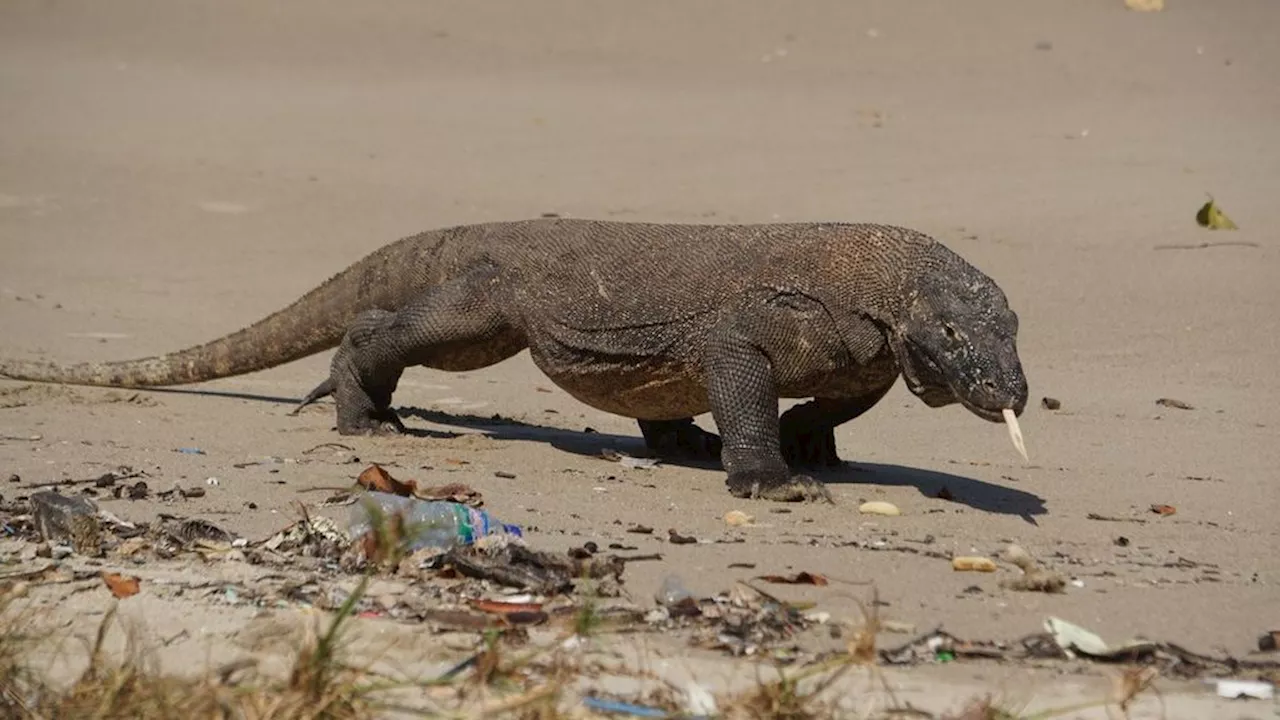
[1213, 218]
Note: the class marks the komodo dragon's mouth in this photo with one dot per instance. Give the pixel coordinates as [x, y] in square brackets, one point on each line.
[933, 388]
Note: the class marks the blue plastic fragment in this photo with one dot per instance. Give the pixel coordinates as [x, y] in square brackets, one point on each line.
[190, 451]
[613, 706]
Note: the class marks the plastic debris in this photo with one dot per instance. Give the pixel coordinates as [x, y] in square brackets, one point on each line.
[672, 592]
[699, 701]
[428, 523]
[623, 708]
[629, 461]
[1245, 689]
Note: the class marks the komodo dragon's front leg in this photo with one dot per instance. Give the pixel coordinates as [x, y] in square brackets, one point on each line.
[456, 326]
[766, 339]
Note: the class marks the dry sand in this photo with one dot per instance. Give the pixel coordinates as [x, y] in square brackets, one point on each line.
[173, 171]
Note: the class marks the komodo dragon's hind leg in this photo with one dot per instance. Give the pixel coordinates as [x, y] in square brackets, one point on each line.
[454, 326]
[808, 430]
[680, 439]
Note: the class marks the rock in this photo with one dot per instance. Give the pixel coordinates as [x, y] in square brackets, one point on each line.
[879, 507]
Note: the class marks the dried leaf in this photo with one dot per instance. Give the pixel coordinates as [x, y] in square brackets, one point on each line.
[800, 578]
[379, 480]
[120, 585]
[453, 492]
[1177, 404]
[1163, 509]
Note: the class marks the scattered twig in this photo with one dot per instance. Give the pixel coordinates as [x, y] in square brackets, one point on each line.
[329, 446]
[1204, 245]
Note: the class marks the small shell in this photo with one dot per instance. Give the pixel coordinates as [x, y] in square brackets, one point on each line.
[973, 564]
[737, 518]
[879, 507]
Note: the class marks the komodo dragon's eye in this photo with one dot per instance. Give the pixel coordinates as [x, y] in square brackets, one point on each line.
[950, 330]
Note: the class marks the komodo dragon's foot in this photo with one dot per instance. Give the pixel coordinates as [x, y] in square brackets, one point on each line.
[377, 423]
[762, 485]
[680, 439]
[362, 396]
[809, 447]
[367, 422]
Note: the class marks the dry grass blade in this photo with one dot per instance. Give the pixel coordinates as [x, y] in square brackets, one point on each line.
[319, 686]
[18, 685]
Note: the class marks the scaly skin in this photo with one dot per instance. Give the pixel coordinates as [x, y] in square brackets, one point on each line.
[655, 322]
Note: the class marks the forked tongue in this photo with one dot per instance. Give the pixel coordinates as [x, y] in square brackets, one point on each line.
[1015, 432]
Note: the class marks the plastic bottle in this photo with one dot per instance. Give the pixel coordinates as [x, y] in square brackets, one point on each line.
[429, 523]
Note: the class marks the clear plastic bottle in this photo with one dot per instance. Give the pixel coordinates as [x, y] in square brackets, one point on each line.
[430, 523]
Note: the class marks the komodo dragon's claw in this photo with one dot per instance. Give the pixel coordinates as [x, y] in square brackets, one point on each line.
[797, 488]
[802, 488]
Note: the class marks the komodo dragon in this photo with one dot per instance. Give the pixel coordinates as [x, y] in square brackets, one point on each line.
[658, 322]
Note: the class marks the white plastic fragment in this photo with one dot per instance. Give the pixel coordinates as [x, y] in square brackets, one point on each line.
[698, 701]
[1071, 637]
[879, 507]
[636, 462]
[1235, 689]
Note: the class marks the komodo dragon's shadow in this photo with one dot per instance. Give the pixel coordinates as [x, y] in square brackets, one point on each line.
[974, 493]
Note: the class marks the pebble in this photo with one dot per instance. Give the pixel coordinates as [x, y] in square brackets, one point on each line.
[879, 507]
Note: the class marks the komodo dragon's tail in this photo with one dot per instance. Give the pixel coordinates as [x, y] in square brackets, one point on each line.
[315, 322]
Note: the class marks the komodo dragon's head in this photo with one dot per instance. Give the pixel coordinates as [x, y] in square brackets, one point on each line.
[955, 340]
